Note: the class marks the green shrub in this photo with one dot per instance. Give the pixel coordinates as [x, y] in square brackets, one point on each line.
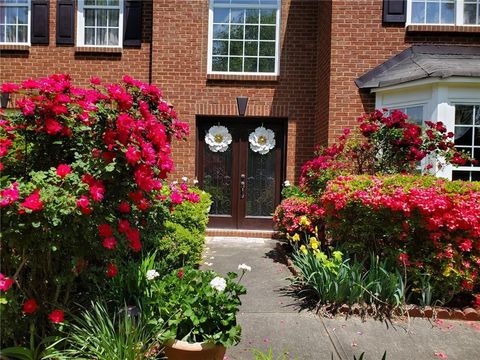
[179, 241]
[193, 216]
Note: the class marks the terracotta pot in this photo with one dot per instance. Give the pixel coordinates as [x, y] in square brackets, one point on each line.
[181, 350]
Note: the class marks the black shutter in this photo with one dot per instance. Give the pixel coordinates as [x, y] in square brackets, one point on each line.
[66, 22]
[394, 11]
[132, 23]
[40, 22]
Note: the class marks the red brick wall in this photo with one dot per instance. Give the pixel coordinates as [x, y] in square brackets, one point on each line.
[180, 44]
[177, 63]
[42, 60]
[359, 42]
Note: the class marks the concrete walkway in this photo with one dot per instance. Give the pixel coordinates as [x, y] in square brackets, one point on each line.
[270, 318]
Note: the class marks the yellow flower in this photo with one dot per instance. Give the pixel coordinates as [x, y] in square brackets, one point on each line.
[338, 255]
[304, 221]
[304, 249]
[321, 256]
[296, 238]
[314, 243]
[447, 271]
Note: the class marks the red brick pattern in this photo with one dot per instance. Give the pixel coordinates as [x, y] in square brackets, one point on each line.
[359, 42]
[325, 45]
[41, 60]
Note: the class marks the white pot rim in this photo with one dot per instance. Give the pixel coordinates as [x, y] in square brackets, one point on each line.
[183, 345]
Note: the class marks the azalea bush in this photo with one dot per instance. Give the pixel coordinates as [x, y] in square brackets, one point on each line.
[430, 225]
[82, 180]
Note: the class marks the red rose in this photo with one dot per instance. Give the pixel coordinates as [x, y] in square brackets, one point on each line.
[30, 306]
[63, 170]
[83, 204]
[105, 230]
[97, 191]
[109, 243]
[52, 126]
[123, 226]
[124, 207]
[56, 316]
[112, 270]
[180, 273]
[33, 202]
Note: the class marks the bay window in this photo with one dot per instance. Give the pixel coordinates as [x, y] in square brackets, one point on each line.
[444, 12]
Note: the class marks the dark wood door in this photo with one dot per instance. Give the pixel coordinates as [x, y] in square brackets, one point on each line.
[245, 185]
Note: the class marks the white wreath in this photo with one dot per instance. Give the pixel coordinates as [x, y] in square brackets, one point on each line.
[218, 138]
[262, 140]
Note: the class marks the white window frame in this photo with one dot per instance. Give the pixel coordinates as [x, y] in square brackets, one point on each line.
[458, 16]
[469, 168]
[81, 24]
[29, 23]
[243, 6]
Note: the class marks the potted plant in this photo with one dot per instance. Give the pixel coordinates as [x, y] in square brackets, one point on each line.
[200, 309]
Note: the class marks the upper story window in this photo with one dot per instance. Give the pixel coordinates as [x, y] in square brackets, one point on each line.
[100, 23]
[243, 36]
[14, 22]
[444, 12]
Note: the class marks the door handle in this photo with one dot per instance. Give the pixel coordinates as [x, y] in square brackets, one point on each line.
[242, 186]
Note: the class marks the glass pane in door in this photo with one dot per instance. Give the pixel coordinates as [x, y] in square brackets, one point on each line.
[218, 180]
[260, 190]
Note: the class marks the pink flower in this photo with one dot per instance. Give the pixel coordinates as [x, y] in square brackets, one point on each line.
[9, 88]
[83, 204]
[52, 126]
[176, 198]
[97, 191]
[63, 170]
[109, 243]
[104, 230]
[33, 202]
[30, 306]
[56, 316]
[9, 195]
[441, 355]
[133, 155]
[5, 282]
[466, 245]
[112, 270]
[95, 80]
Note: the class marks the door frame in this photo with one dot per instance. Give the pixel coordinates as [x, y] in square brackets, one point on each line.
[220, 221]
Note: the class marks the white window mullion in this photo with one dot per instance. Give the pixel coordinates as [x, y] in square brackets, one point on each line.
[459, 6]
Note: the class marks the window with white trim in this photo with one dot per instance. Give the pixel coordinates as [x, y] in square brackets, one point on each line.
[467, 139]
[244, 36]
[444, 12]
[15, 22]
[414, 113]
[100, 23]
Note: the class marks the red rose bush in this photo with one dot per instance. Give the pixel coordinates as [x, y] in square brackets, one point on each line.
[83, 175]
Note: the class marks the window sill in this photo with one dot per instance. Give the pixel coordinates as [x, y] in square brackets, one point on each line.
[98, 50]
[237, 77]
[14, 47]
[444, 28]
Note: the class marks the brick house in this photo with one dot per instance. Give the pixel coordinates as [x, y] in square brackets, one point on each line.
[307, 67]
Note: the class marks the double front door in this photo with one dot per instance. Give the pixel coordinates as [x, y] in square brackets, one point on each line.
[240, 162]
